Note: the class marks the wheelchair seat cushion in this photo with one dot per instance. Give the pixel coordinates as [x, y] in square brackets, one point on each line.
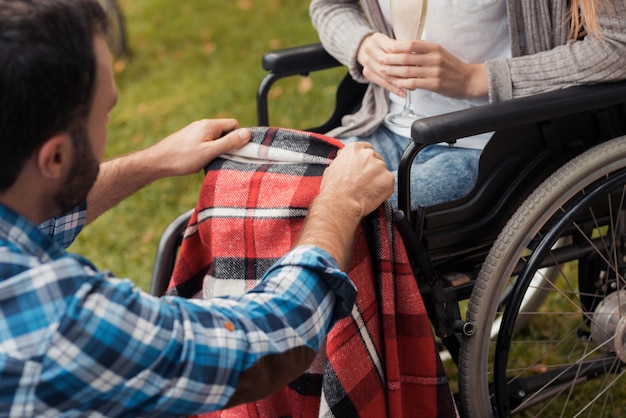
[380, 361]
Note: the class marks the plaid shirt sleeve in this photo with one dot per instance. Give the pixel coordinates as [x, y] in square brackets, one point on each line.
[65, 228]
[77, 339]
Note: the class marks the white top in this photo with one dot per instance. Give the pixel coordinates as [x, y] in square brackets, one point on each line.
[472, 30]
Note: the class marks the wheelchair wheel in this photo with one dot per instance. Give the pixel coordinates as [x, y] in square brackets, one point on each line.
[568, 359]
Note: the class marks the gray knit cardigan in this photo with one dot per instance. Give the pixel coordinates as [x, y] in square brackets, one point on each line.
[542, 58]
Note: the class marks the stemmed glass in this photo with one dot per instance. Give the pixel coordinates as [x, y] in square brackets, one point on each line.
[407, 18]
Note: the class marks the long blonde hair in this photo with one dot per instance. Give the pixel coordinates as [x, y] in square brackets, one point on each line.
[583, 18]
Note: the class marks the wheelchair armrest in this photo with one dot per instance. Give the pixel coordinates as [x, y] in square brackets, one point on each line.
[524, 110]
[298, 60]
[302, 60]
[511, 114]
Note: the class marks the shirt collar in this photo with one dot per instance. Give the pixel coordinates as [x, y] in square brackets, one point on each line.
[18, 232]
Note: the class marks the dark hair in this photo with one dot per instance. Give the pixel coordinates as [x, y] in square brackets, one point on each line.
[47, 74]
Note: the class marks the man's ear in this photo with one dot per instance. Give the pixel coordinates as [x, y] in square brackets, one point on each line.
[55, 156]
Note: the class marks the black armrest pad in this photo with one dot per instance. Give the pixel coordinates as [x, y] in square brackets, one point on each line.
[494, 116]
[298, 60]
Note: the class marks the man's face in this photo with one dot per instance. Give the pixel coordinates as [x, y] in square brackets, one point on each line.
[82, 174]
[89, 141]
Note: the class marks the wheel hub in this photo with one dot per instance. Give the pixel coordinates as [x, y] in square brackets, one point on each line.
[608, 328]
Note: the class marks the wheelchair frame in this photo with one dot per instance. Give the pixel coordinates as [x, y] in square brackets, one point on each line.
[534, 137]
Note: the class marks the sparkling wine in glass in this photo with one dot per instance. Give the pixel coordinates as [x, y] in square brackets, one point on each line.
[407, 18]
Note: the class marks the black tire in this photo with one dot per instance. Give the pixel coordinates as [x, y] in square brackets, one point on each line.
[117, 38]
[569, 358]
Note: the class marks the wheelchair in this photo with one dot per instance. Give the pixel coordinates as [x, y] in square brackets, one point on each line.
[523, 278]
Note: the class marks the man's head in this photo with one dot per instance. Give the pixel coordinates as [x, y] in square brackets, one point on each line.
[56, 84]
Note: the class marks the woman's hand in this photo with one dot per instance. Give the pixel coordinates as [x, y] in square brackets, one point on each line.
[407, 65]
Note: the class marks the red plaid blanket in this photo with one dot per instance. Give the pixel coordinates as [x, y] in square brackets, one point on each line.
[381, 361]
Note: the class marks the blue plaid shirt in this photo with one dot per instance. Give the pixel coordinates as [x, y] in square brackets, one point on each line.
[77, 341]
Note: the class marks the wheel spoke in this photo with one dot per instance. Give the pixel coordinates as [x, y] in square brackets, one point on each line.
[564, 355]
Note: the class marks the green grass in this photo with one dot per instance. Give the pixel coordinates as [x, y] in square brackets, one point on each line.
[190, 60]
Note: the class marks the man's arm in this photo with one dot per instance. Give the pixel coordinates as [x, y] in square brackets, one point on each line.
[184, 152]
[203, 355]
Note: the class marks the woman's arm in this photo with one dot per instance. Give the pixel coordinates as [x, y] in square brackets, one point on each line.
[542, 67]
[342, 25]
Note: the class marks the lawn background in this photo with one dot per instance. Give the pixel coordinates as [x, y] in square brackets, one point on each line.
[190, 60]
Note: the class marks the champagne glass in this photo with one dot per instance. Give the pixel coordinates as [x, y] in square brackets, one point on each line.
[407, 18]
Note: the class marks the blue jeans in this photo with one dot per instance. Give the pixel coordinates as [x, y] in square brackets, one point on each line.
[440, 173]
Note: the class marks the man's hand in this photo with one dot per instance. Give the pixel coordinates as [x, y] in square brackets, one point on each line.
[408, 65]
[193, 147]
[357, 178]
[355, 184]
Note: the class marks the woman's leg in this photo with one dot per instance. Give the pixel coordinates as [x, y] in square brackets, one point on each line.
[388, 144]
[440, 173]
